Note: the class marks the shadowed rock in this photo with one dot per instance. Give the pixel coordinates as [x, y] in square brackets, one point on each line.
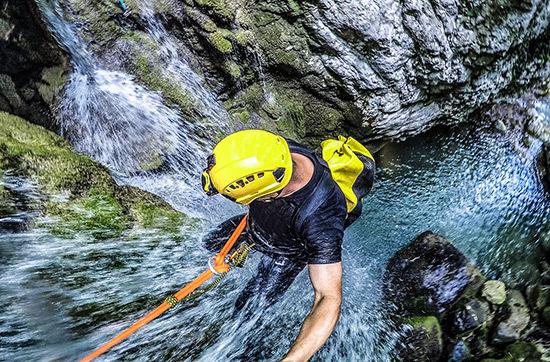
[428, 276]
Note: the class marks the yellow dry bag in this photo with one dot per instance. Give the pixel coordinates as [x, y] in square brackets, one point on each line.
[351, 166]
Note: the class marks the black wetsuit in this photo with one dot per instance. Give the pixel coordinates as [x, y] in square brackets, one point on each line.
[306, 227]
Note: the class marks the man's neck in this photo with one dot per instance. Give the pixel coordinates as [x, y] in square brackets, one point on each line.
[301, 174]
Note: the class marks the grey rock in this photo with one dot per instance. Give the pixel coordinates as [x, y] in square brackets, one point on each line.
[460, 352]
[472, 315]
[14, 224]
[511, 329]
[9, 92]
[494, 291]
[428, 276]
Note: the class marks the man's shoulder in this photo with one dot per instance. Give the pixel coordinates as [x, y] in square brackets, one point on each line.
[326, 201]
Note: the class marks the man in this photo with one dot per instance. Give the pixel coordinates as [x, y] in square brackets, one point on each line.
[297, 217]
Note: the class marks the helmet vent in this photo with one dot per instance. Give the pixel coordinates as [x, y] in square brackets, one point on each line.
[279, 174]
[260, 175]
[250, 178]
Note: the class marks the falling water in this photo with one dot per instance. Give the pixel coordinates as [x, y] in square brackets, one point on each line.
[107, 115]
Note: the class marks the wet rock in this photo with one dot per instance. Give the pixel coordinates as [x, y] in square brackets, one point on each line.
[511, 328]
[471, 315]
[428, 276]
[543, 165]
[432, 62]
[422, 339]
[92, 201]
[494, 291]
[460, 352]
[14, 224]
[538, 296]
[28, 54]
[546, 316]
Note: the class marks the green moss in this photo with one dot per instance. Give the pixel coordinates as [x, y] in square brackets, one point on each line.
[219, 8]
[46, 158]
[209, 26]
[242, 116]
[153, 216]
[99, 20]
[283, 45]
[153, 78]
[53, 79]
[98, 213]
[244, 37]
[430, 324]
[92, 202]
[233, 69]
[219, 41]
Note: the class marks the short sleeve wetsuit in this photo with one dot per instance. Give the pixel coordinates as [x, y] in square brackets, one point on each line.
[306, 227]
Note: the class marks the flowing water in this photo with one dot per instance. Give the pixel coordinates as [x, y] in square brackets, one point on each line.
[61, 298]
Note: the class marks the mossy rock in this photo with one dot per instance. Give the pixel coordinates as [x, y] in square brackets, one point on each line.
[47, 159]
[284, 46]
[220, 9]
[80, 195]
[421, 339]
[147, 71]
[99, 17]
[219, 40]
[53, 80]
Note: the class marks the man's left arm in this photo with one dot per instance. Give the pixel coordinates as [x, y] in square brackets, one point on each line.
[319, 324]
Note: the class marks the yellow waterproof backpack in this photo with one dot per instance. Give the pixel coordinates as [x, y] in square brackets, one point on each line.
[351, 166]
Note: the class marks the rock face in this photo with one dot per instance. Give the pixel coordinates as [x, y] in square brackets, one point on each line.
[32, 65]
[429, 276]
[381, 70]
[445, 312]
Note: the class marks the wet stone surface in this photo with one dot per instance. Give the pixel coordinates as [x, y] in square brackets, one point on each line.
[428, 276]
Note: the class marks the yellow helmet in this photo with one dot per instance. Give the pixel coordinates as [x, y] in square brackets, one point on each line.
[247, 165]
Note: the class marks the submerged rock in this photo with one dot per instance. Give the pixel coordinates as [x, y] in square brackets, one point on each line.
[472, 315]
[494, 291]
[428, 276]
[422, 340]
[511, 329]
[78, 192]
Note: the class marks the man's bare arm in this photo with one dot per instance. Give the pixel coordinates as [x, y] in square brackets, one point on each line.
[319, 324]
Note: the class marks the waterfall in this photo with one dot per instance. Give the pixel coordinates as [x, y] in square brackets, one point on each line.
[106, 114]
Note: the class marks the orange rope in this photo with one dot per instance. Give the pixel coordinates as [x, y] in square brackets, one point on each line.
[219, 266]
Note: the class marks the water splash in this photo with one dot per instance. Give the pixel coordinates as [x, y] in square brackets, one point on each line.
[109, 116]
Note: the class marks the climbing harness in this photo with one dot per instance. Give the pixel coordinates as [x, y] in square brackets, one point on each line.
[219, 265]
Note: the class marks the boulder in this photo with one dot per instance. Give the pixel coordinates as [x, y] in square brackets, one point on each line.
[474, 314]
[460, 352]
[428, 276]
[421, 339]
[494, 291]
[512, 327]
